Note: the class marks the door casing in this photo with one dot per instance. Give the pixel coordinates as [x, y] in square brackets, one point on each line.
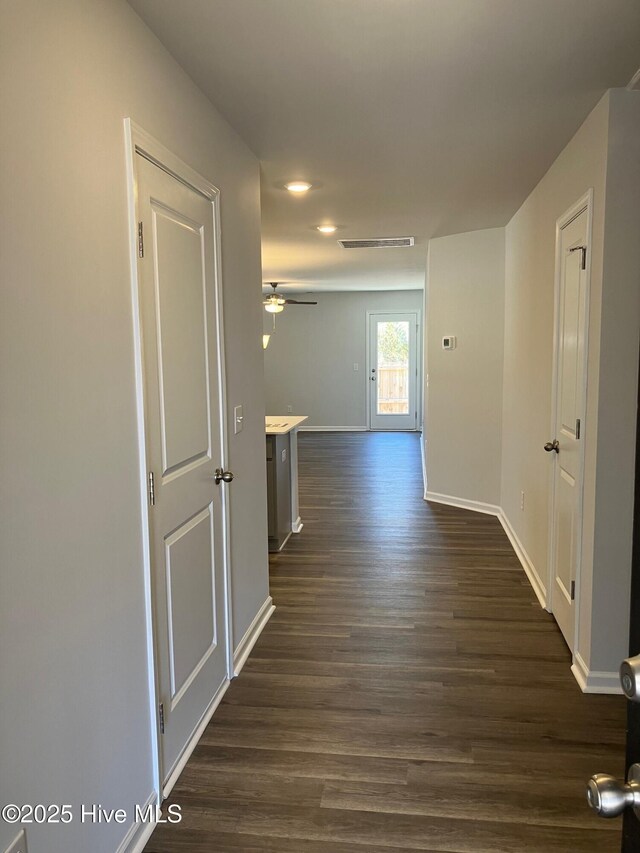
[585, 203]
[139, 142]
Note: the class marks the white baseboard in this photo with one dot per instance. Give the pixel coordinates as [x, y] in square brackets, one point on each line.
[282, 544]
[594, 681]
[462, 503]
[139, 833]
[195, 737]
[306, 428]
[252, 633]
[424, 464]
[525, 561]
[589, 681]
[492, 509]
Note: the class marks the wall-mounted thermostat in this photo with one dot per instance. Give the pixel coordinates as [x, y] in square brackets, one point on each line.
[449, 342]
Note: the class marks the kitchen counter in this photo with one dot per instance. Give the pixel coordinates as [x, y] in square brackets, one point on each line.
[282, 424]
[282, 477]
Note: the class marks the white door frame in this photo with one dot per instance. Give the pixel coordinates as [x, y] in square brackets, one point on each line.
[418, 315]
[583, 203]
[139, 142]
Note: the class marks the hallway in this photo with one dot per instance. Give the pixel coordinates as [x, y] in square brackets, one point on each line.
[408, 693]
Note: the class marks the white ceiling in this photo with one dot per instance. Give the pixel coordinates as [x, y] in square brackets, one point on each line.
[410, 117]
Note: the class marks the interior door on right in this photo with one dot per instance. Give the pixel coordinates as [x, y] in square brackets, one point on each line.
[570, 375]
[631, 826]
[393, 369]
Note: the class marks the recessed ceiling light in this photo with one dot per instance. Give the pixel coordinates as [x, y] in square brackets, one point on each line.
[327, 229]
[298, 186]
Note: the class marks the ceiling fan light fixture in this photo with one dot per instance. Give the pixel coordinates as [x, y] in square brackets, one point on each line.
[327, 229]
[274, 303]
[298, 186]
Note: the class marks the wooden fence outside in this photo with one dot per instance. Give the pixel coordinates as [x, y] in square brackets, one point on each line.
[393, 390]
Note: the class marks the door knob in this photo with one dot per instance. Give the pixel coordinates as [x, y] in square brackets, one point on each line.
[630, 678]
[609, 797]
[552, 445]
[222, 476]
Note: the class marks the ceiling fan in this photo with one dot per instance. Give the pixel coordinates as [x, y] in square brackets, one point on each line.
[275, 302]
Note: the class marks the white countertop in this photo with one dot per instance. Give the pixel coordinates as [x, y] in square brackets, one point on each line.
[282, 424]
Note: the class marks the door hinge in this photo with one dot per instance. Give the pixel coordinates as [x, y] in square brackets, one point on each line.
[161, 717]
[152, 489]
[577, 427]
[573, 590]
[140, 240]
[583, 249]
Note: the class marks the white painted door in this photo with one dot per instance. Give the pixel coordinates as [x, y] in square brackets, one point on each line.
[393, 367]
[183, 442]
[565, 446]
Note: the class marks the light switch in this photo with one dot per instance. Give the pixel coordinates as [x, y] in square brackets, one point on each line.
[238, 419]
[356, 366]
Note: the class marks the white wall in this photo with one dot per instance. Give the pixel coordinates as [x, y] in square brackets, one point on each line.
[465, 297]
[603, 155]
[74, 725]
[603, 640]
[310, 357]
[529, 329]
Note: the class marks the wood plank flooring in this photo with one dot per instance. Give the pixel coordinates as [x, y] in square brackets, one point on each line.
[408, 694]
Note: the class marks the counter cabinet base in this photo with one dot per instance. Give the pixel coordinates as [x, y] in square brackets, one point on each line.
[282, 480]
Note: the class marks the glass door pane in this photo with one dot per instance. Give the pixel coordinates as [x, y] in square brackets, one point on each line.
[392, 368]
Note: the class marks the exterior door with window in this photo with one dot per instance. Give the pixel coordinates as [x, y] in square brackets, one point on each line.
[393, 371]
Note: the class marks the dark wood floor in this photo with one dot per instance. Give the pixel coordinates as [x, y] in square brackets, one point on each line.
[408, 694]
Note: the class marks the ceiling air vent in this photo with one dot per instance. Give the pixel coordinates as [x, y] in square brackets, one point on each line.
[381, 243]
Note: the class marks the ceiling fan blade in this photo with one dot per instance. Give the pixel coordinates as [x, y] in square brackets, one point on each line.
[298, 302]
